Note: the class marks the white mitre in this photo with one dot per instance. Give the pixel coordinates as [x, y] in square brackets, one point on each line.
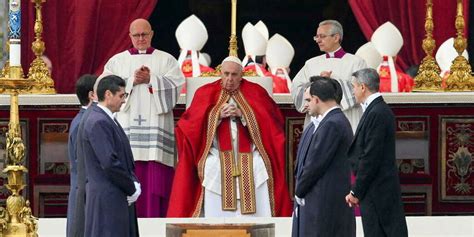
[205, 59]
[255, 43]
[279, 55]
[262, 28]
[446, 54]
[388, 40]
[191, 35]
[370, 55]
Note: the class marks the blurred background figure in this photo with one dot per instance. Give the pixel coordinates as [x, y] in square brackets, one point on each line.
[388, 41]
[255, 38]
[445, 56]
[279, 55]
[191, 35]
[48, 63]
[370, 55]
[205, 59]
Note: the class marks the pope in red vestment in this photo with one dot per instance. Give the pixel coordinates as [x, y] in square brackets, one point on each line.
[199, 125]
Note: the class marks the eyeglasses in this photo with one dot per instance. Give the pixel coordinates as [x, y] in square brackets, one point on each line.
[142, 35]
[321, 36]
[123, 96]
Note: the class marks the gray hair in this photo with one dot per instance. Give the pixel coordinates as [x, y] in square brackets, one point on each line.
[336, 27]
[369, 77]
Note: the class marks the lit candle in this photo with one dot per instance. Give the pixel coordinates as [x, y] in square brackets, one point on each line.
[234, 17]
[14, 32]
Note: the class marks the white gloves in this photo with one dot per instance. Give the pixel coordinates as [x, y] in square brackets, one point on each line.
[134, 197]
[300, 201]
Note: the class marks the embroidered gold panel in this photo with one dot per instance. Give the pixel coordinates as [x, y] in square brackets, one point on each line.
[294, 130]
[457, 159]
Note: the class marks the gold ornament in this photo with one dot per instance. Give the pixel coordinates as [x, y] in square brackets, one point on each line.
[428, 78]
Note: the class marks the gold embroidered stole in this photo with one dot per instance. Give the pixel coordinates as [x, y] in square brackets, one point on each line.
[253, 128]
[231, 169]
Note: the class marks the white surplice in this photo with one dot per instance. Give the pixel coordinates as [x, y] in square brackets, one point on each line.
[147, 115]
[342, 69]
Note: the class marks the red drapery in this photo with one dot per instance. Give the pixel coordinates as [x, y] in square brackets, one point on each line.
[80, 36]
[409, 17]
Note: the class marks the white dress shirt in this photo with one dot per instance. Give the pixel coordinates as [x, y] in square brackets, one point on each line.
[369, 100]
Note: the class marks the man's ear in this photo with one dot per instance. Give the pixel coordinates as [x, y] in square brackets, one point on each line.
[338, 37]
[108, 93]
[363, 87]
[90, 95]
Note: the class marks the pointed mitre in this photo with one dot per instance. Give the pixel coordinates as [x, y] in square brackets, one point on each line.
[280, 52]
[262, 28]
[191, 33]
[387, 39]
[254, 42]
[204, 59]
[447, 53]
[370, 55]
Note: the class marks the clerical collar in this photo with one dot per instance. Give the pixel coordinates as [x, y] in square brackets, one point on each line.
[134, 51]
[339, 53]
[369, 100]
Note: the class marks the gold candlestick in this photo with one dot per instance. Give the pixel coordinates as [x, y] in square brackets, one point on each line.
[460, 78]
[233, 25]
[16, 219]
[38, 71]
[428, 78]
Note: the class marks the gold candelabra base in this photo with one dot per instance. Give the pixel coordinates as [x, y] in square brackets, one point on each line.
[460, 78]
[17, 219]
[428, 78]
[39, 73]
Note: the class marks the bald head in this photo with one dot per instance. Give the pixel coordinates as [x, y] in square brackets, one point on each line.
[140, 23]
[141, 34]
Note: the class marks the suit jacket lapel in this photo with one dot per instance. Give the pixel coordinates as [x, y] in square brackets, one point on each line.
[326, 118]
[304, 145]
[309, 135]
[362, 120]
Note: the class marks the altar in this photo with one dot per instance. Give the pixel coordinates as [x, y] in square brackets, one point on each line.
[434, 135]
[418, 226]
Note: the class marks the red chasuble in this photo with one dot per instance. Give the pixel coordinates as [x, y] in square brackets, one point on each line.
[279, 84]
[187, 69]
[405, 82]
[196, 129]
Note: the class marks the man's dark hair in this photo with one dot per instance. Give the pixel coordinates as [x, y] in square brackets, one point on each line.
[112, 83]
[413, 70]
[325, 88]
[258, 59]
[84, 85]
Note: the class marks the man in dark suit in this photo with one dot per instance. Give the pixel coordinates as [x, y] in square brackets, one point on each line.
[372, 156]
[323, 172]
[111, 186]
[85, 94]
